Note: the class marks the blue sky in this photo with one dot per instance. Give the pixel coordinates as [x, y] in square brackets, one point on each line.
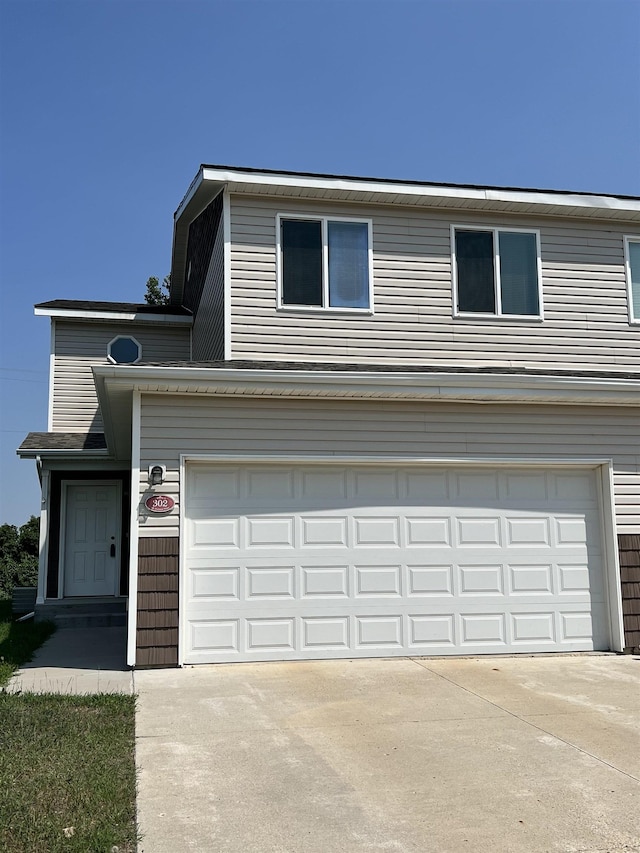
[108, 108]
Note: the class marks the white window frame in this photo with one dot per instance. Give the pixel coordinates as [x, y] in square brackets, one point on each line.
[634, 310]
[112, 360]
[495, 230]
[325, 308]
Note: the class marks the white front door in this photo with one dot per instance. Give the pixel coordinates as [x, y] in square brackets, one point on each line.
[91, 544]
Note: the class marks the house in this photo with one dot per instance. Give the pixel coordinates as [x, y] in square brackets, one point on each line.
[378, 418]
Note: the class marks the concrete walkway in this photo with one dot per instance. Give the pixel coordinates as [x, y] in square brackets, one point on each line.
[508, 755]
[77, 660]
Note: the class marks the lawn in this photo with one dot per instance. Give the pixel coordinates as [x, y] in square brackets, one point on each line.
[67, 773]
[67, 765]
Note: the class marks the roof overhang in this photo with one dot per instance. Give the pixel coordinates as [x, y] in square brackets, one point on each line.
[116, 316]
[116, 385]
[63, 454]
[212, 180]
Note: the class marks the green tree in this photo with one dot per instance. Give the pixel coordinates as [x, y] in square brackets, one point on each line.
[19, 549]
[158, 294]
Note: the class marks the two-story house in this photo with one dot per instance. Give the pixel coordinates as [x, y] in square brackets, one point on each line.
[378, 418]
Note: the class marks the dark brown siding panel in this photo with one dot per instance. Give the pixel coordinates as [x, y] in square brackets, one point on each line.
[629, 552]
[157, 633]
[159, 546]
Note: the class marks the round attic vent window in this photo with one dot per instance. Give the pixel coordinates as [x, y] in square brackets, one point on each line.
[124, 350]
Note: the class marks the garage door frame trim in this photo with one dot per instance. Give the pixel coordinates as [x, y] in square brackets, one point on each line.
[604, 480]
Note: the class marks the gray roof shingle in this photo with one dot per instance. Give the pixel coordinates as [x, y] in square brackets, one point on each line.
[43, 441]
[338, 367]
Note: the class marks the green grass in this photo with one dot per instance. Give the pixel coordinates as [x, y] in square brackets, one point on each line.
[67, 766]
[18, 640]
[67, 773]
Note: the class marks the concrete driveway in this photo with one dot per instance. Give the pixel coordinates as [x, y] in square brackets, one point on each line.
[503, 754]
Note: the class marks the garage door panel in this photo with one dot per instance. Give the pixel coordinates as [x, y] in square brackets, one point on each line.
[533, 628]
[270, 582]
[210, 533]
[328, 633]
[531, 579]
[526, 486]
[481, 580]
[330, 579]
[523, 532]
[286, 561]
[575, 487]
[424, 487]
[324, 485]
[475, 486]
[377, 581]
[370, 634]
[430, 632]
[214, 584]
[269, 532]
[427, 530]
[322, 531]
[430, 580]
[477, 532]
[324, 581]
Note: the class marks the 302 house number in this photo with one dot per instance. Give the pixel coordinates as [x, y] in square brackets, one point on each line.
[160, 503]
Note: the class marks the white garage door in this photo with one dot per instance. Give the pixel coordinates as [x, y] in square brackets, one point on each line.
[324, 561]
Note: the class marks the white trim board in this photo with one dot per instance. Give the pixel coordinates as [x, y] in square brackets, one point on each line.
[132, 612]
[634, 310]
[226, 272]
[116, 316]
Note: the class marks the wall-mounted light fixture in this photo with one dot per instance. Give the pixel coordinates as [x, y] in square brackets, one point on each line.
[157, 473]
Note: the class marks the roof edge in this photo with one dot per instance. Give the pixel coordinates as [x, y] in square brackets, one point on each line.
[223, 173]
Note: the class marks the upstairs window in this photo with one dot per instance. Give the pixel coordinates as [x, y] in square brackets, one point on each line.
[633, 277]
[324, 263]
[496, 272]
[124, 350]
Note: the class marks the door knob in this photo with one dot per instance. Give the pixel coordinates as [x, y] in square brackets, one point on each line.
[113, 550]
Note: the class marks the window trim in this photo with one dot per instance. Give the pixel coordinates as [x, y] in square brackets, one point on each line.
[633, 310]
[498, 315]
[112, 360]
[325, 308]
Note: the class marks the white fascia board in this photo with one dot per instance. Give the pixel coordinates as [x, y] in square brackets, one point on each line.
[193, 189]
[60, 452]
[568, 200]
[119, 316]
[471, 387]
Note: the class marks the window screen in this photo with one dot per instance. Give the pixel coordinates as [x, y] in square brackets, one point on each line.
[475, 269]
[348, 264]
[301, 242]
[518, 273]
[634, 284]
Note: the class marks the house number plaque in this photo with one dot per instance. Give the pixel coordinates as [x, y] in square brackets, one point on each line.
[160, 503]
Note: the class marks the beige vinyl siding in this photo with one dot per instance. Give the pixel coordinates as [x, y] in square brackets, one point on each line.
[175, 425]
[208, 326]
[80, 345]
[585, 323]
